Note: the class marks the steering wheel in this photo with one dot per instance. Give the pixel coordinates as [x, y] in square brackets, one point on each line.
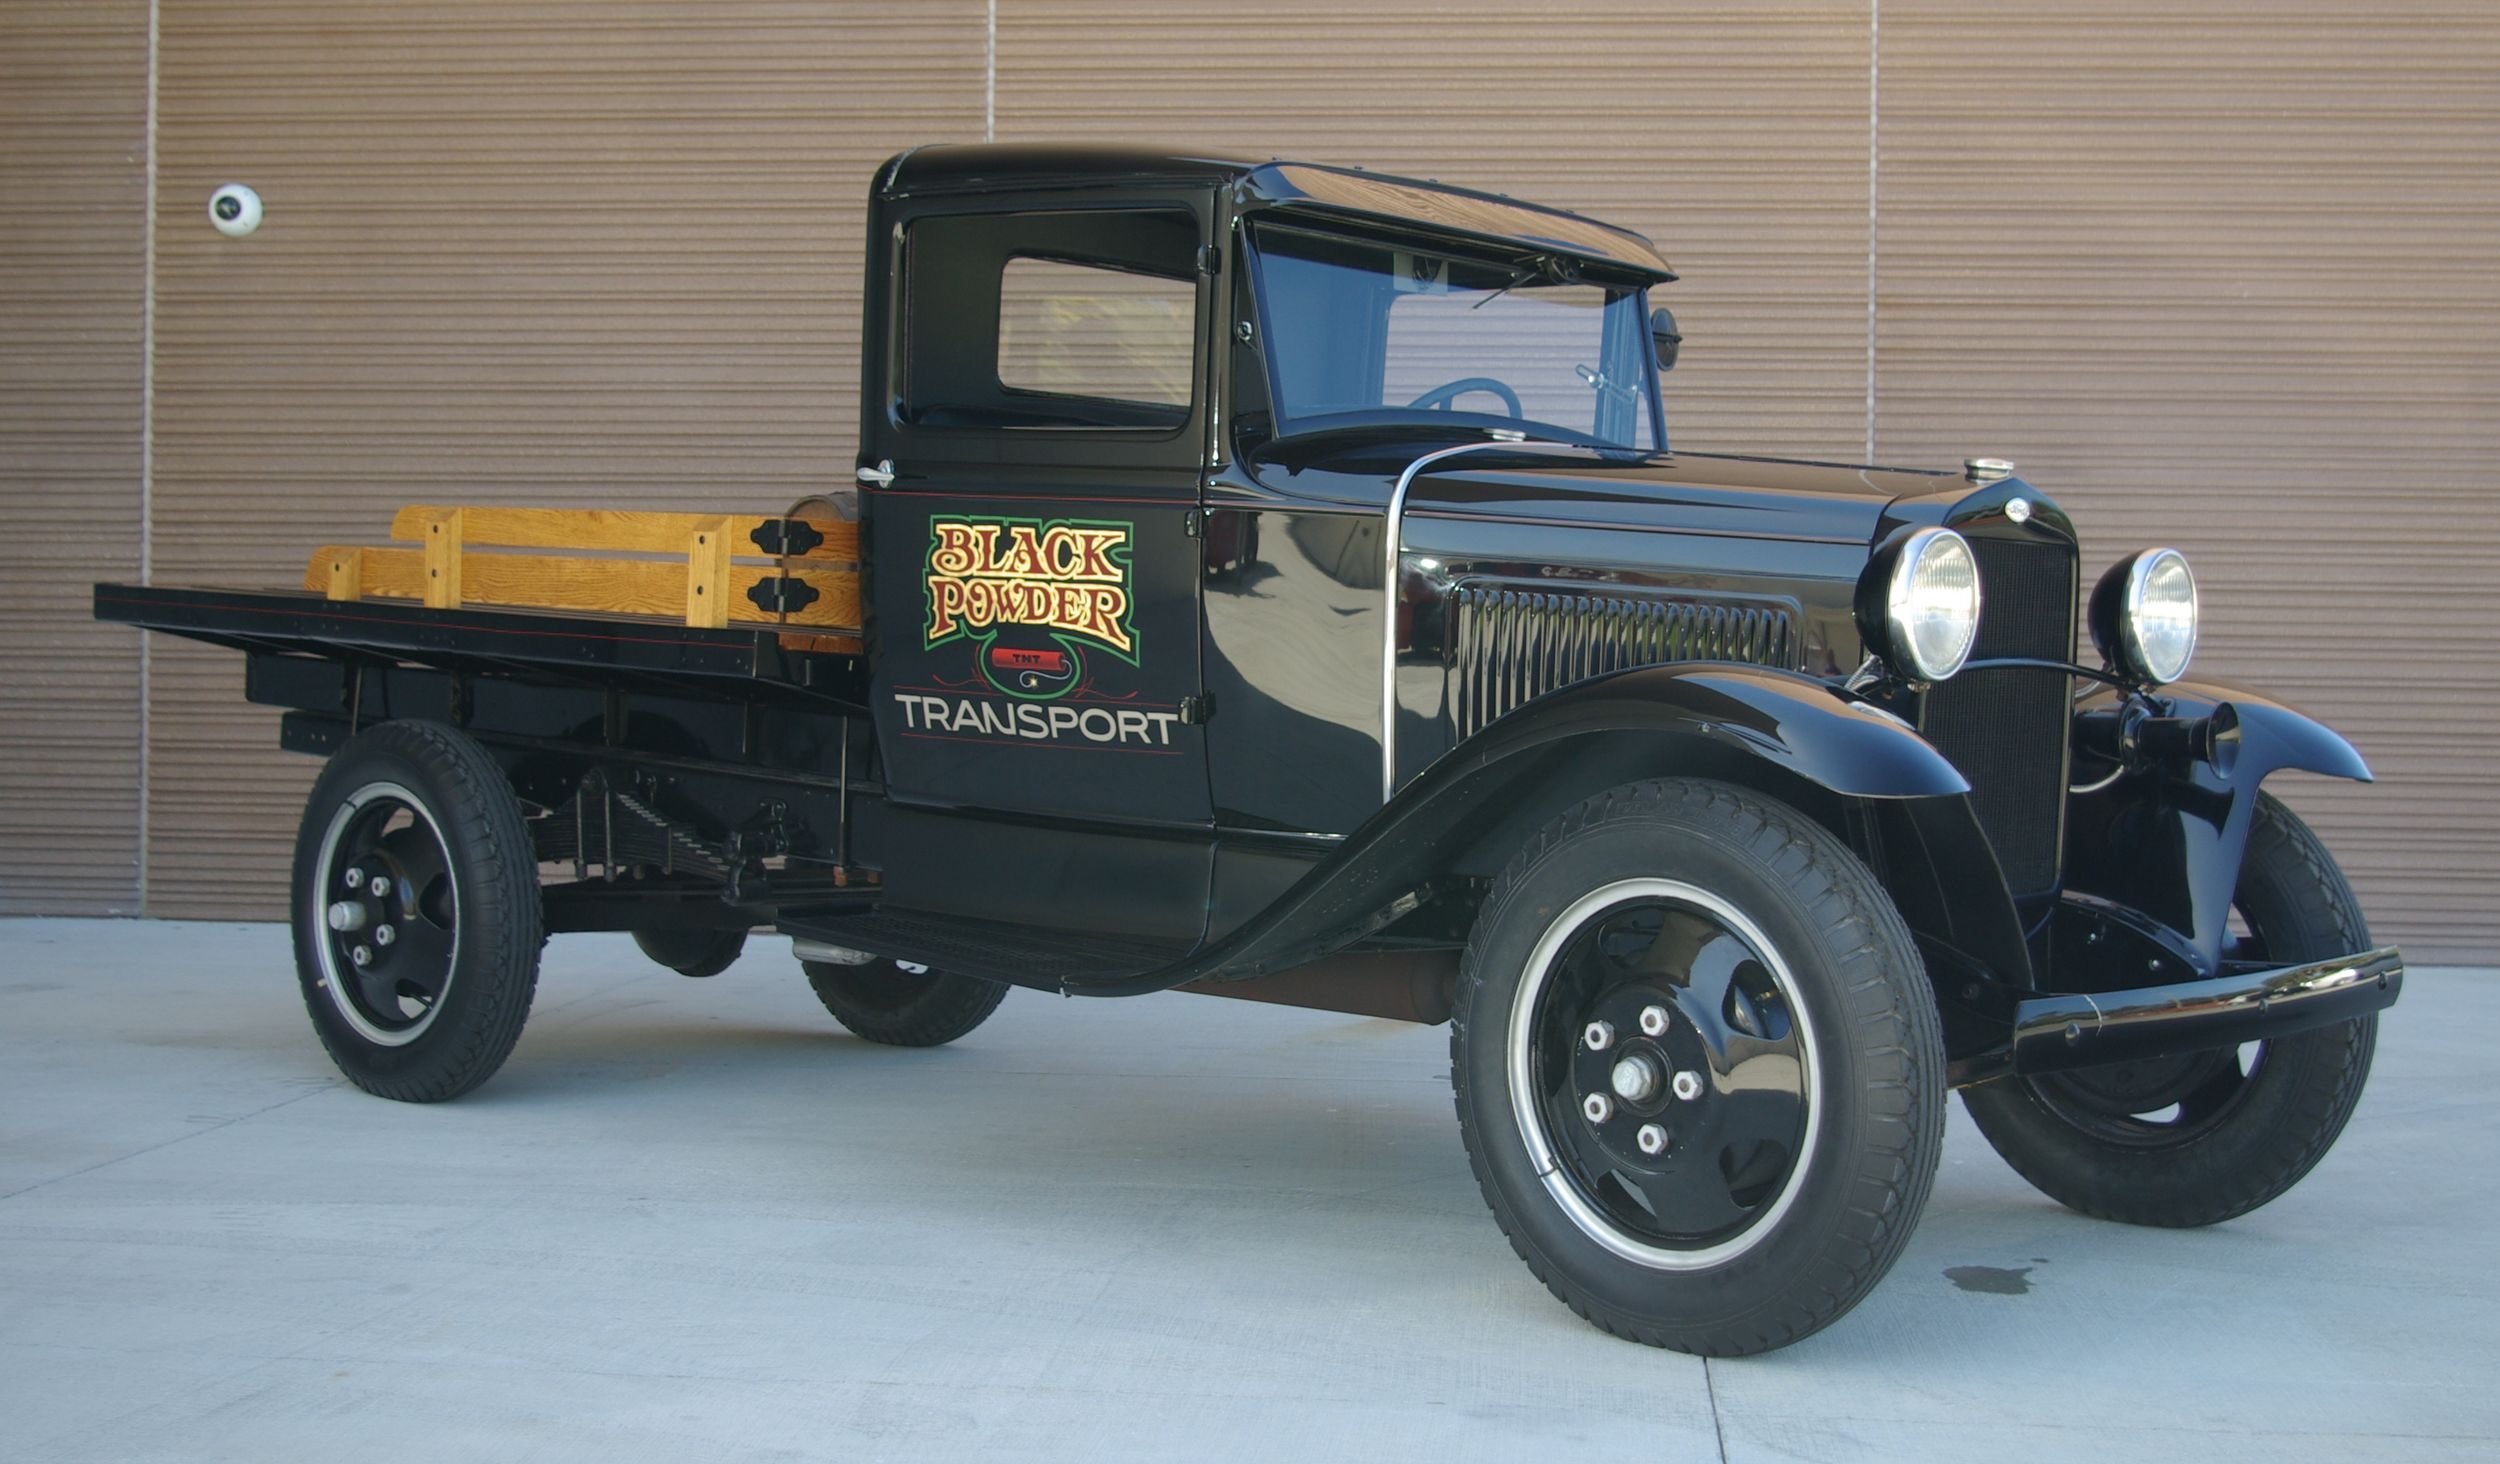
[1448, 392]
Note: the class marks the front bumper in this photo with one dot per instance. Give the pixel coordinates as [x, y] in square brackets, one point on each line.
[2072, 1029]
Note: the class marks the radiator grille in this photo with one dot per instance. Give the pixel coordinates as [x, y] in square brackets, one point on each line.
[1510, 645]
[2007, 730]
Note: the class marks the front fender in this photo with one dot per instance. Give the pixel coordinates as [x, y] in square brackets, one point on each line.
[1791, 722]
[2273, 735]
[1469, 812]
[1476, 806]
[2168, 840]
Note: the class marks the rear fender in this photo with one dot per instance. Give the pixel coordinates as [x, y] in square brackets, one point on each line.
[2168, 841]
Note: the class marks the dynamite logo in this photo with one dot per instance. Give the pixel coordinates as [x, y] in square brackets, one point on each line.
[1031, 594]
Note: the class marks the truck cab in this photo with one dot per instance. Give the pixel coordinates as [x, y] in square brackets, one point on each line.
[1111, 581]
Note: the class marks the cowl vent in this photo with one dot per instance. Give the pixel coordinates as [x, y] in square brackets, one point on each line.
[1510, 645]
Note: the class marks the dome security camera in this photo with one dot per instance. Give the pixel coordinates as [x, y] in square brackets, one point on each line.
[235, 210]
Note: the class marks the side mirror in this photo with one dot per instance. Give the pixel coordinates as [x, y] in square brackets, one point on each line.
[1664, 337]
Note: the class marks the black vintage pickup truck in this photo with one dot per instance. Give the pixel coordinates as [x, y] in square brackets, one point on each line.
[1276, 580]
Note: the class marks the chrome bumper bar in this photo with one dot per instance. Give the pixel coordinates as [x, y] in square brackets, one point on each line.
[2070, 1030]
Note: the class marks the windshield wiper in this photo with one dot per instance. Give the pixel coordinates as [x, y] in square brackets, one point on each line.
[1537, 268]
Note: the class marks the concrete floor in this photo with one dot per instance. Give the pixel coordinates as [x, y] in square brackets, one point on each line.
[695, 1220]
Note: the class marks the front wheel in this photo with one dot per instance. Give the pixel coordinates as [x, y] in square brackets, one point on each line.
[1698, 1068]
[416, 912]
[2205, 1136]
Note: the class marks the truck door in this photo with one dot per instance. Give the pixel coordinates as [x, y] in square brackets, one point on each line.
[1034, 570]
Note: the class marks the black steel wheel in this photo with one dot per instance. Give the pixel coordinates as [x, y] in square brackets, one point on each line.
[902, 1003]
[1698, 1067]
[2205, 1136]
[693, 952]
[416, 913]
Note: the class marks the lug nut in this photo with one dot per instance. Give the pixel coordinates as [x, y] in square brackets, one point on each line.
[1654, 1020]
[355, 880]
[1651, 1138]
[1599, 1036]
[361, 955]
[347, 915]
[380, 884]
[1597, 1107]
[1688, 1085]
[384, 935]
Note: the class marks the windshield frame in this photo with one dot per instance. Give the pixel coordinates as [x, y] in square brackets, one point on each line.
[1285, 425]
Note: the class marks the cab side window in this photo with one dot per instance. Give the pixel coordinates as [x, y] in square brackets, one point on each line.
[1076, 320]
[1101, 335]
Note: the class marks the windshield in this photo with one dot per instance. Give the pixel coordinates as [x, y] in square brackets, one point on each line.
[1361, 334]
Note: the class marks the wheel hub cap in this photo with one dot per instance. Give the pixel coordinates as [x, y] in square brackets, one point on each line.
[386, 950]
[1708, 1122]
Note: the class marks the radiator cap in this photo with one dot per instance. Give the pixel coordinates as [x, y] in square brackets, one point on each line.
[1986, 470]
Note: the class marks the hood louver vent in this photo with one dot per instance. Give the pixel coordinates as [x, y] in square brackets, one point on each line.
[1510, 645]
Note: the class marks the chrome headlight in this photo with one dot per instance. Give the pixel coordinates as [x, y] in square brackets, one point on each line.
[2144, 616]
[1918, 603]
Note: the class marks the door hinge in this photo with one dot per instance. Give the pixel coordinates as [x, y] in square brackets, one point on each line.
[1210, 259]
[1197, 711]
[781, 595]
[785, 537]
[1193, 523]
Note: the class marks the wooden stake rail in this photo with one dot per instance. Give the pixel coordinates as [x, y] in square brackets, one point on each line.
[702, 579]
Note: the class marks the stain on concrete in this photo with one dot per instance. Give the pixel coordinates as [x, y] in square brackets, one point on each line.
[1993, 1280]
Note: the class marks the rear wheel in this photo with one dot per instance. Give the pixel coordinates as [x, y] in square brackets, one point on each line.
[902, 1003]
[1698, 1068]
[415, 912]
[2206, 1136]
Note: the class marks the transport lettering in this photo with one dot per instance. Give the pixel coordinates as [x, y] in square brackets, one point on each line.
[1034, 722]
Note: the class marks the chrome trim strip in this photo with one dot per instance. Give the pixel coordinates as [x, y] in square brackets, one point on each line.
[1392, 554]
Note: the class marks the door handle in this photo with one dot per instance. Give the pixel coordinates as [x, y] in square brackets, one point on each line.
[880, 476]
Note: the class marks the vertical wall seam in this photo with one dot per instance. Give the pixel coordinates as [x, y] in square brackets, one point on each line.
[989, 77]
[1874, 180]
[147, 461]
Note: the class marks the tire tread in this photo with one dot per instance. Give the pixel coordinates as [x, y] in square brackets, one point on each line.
[1837, 890]
[479, 814]
[951, 1007]
[2335, 1064]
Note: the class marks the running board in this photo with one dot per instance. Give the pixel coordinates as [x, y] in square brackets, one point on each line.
[1405, 985]
[1020, 955]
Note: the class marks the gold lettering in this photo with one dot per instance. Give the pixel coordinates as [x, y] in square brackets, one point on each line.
[951, 549]
[1055, 576]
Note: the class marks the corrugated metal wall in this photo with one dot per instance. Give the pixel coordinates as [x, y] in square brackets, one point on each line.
[514, 253]
[2228, 277]
[2219, 275]
[1734, 136]
[73, 172]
